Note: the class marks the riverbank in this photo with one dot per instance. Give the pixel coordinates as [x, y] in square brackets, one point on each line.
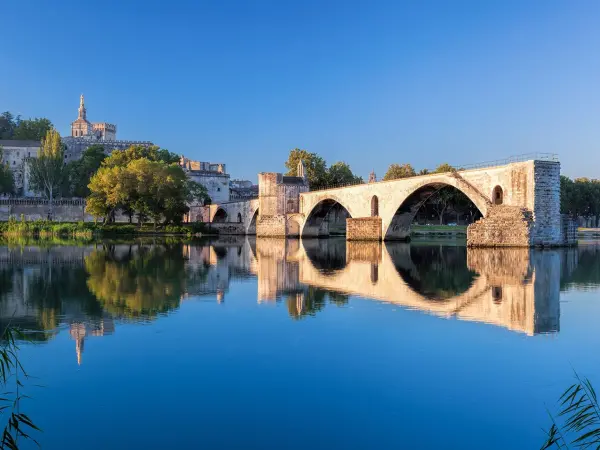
[438, 231]
[84, 230]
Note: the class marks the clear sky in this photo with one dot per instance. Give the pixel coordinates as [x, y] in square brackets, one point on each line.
[369, 83]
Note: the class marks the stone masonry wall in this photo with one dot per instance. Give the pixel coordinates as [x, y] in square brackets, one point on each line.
[271, 226]
[504, 226]
[64, 211]
[363, 229]
[546, 204]
[568, 230]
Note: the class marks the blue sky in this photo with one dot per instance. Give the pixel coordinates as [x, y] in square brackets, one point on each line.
[369, 83]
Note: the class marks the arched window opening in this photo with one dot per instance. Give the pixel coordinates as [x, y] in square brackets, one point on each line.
[374, 206]
[497, 196]
[239, 218]
[497, 294]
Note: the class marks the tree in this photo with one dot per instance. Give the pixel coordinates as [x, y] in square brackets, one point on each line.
[110, 188]
[197, 193]
[341, 174]
[440, 201]
[445, 167]
[48, 169]
[32, 129]
[7, 182]
[424, 172]
[80, 172]
[8, 123]
[152, 153]
[147, 188]
[316, 168]
[396, 171]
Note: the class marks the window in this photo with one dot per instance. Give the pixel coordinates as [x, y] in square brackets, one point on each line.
[497, 196]
[497, 294]
[374, 206]
[218, 189]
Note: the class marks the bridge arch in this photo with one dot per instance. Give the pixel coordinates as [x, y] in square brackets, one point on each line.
[219, 216]
[252, 225]
[328, 216]
[402, 211]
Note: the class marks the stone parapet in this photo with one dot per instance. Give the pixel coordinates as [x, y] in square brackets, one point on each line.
[363, 229]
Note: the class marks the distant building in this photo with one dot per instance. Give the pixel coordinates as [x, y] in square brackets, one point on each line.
[212, 176]
[85, 133]
[241, 184]
[15, 155]
[81, 127]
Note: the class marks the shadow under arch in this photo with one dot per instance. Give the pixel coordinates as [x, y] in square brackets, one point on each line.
[252, 226]
[327, 217]
[433, 202]
[326, 255]
[220, 216]
[436, 272]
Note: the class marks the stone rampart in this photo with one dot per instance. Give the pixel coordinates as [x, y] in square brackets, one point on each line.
[34, 209]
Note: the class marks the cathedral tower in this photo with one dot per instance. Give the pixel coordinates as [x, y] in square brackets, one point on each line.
[81, 126]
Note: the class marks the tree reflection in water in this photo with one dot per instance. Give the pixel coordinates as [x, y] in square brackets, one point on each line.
[438, 272]
[141, 282]
[312, 300]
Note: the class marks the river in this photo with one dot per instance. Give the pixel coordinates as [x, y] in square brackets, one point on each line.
[287, 344]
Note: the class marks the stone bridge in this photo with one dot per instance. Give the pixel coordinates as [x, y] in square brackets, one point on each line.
[519, 205]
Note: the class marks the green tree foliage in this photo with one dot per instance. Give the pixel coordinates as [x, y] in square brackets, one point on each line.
[8, 123]
[153, 153]
[7, 182]
[47, 170]
[340, 173]
[317, 172]
[32, 129]
[316, 168]
[149, 188]
[396, 171]
[12, 127]
[580, 197]
[80, 172]
[442, 168]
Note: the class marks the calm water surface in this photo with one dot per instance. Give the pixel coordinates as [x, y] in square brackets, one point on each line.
[246, 343]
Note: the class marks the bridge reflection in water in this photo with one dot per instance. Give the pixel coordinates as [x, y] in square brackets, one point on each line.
[518, 289]
[43, 289]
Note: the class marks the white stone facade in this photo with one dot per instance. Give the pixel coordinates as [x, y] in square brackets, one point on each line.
[15, 154]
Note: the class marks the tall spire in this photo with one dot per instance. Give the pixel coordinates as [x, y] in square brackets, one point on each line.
[301, 170]
[82, 112]
[372, 177]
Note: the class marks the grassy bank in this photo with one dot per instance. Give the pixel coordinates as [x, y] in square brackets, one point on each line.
[84, 230]
[438, 230]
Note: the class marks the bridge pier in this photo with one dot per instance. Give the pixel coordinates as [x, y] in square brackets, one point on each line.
[363, 229]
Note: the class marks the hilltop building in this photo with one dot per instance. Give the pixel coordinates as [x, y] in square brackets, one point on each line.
[85, 133]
